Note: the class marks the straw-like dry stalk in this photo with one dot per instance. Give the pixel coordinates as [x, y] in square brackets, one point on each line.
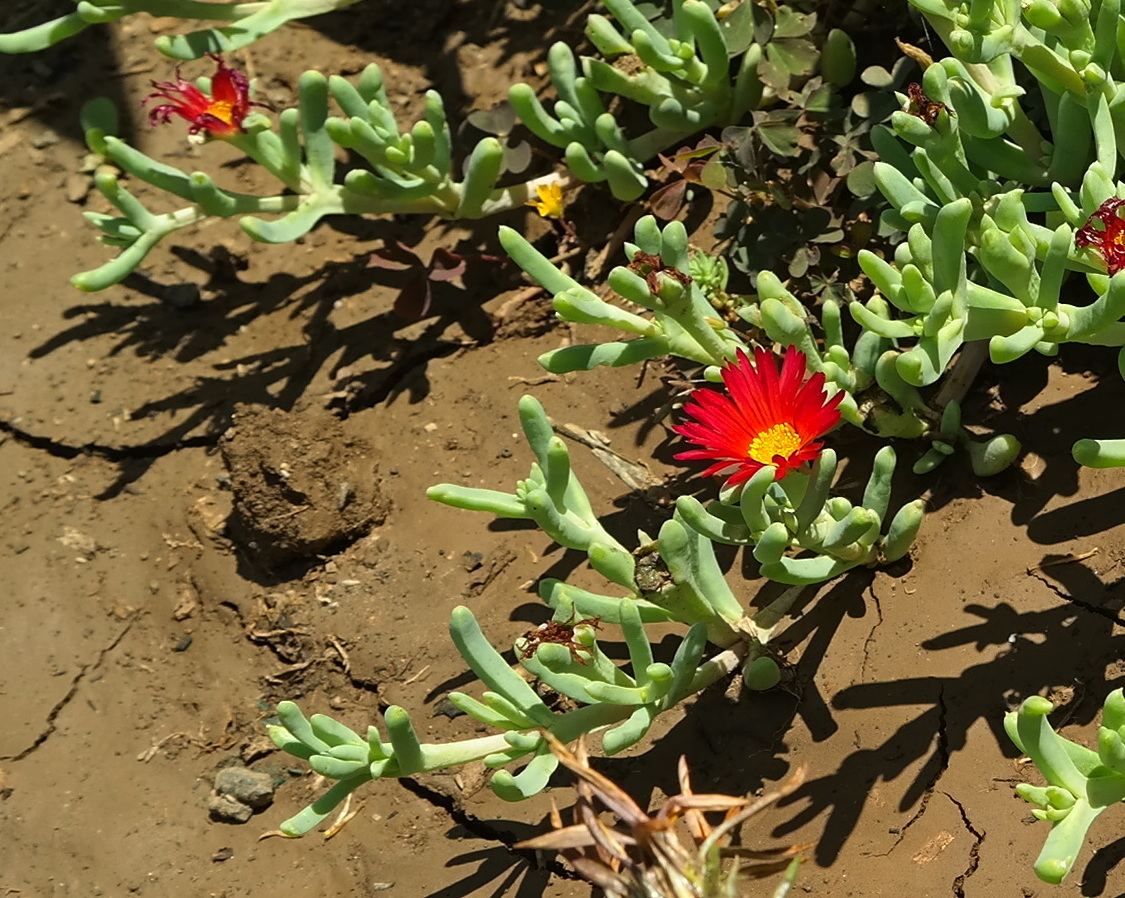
[676, 852]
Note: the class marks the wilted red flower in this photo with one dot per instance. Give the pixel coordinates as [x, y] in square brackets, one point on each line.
[766, 420]
[1109, 240]
[220, 114]
[922, 106]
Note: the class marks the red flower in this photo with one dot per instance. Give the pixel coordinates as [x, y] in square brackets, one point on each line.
[1109, 242]
[766, 420]
[220, 114]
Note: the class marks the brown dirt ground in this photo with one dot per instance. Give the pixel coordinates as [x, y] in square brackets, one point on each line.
[147, 632]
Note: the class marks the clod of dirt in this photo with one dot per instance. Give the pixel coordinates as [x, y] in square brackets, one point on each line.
[302, 487]
[238, 792]
[80, 542]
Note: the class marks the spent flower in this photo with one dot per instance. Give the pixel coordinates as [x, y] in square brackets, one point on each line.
[220, 115]
[767, 419]
[922, 106]
[1108, 240]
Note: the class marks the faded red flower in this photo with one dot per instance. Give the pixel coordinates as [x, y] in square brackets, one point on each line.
[220, 114]
[922, 106]
[768, 419]
[1109, 240]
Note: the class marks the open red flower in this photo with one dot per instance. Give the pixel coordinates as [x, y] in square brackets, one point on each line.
[1109, 240]
[220, 114]
[768, 419]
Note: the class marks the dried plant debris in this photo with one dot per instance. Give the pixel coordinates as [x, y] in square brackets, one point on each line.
[645, 856]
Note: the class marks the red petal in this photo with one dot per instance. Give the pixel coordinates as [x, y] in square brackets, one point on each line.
[759, 397]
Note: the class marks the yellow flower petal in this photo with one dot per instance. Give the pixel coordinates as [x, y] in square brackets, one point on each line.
[550, 203]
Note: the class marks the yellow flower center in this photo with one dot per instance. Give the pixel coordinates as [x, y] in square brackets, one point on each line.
[781, 439]
[550, 203]
[223, 110]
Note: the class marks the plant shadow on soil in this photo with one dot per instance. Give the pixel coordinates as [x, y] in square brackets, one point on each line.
[898, 677]
[50, 84]
[373, 359]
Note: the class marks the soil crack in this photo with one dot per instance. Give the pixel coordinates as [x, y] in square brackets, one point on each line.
[59, 449]
[871, 633]
[482, 829]
[75, 682]
[942, 749]
[974, 852]
[1067, 597]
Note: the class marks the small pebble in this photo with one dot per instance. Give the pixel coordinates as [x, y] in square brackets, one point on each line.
[181, 296]
[47, 138]
[446, 708]
[472, 560]
[77, 186]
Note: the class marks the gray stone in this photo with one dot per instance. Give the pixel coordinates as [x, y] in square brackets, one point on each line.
[249, 787]
[229, 810]
[47, 138]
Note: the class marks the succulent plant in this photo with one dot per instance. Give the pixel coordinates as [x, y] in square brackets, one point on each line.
[1008, 156]
[248, 22]
[1081, 783]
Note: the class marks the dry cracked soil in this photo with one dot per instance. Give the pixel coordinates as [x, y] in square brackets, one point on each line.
[213, 484]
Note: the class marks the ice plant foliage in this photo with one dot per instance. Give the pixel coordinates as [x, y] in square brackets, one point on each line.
[767, 419]
[697, 69]
[1108, 240]
[219, 115]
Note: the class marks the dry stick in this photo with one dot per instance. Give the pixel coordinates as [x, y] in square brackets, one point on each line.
[955, 385]
[343, 818]
[334, 641]
[1066, 559]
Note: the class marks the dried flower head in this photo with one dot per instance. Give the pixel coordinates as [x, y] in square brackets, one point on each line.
[219, 115]
[558, 633]
[921, 105]
[648, 856]
[650, 267]
[766, 420]
[1108, 240]
[550, 203]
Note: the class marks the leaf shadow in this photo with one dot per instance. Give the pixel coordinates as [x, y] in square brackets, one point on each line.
[389, 354]
[52, 84]
[508, 872]
[1029, 663]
